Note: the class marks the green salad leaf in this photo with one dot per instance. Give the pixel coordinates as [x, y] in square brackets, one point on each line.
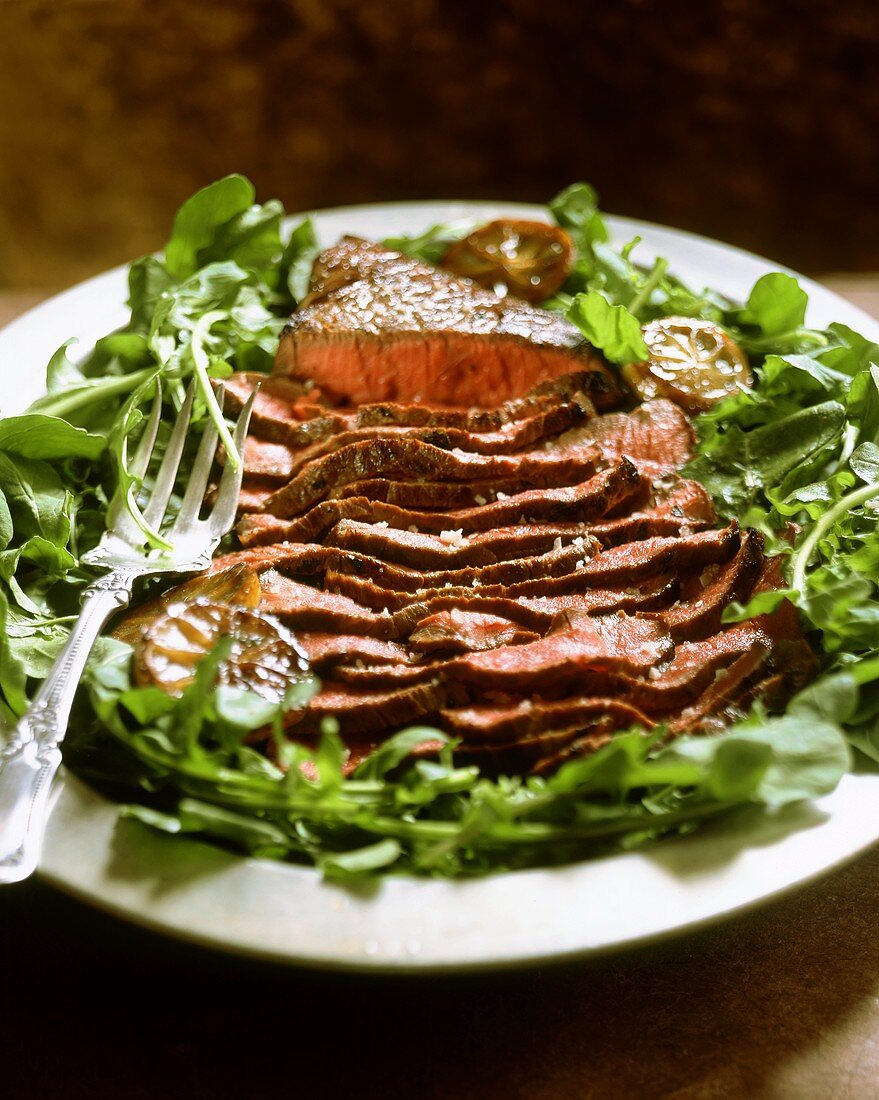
[433, 243]
[777, 304]
[610, 328]
[213, 212]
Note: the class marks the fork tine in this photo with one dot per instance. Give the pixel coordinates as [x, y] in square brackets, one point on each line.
[167, 473]
[140, 463]
[223, 515]
[117, 514]
[201, 471]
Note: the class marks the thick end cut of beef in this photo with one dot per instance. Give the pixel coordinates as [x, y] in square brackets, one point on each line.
[381, 326]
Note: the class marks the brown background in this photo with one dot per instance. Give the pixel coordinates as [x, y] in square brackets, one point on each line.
[750, 121]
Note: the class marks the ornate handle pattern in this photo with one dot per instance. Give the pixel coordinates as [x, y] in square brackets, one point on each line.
[30, 759]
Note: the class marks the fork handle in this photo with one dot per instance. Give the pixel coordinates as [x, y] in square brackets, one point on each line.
[30, 758]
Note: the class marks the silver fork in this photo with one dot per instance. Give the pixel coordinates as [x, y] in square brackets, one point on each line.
[30, 758]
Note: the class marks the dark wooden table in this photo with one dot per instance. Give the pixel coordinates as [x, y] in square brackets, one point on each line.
[780, 1002]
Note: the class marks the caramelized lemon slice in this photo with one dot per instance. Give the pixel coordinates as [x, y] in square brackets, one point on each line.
[693, 363]
[238, 585]
[264, 657]
[531, 259]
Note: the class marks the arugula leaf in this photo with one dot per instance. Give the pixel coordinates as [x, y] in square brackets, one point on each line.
[6, 528]
[740, 467]
[297, 260]
[865, 462]
[787, 759]
[148, 281]
[576, 210]
[38, 501]
[396, 749]
[777, 304]
[61, 373]
[611, 329]
[433, 243]
[365, 860]
[12, 672]
[199, 220]
[48, 438]
[251, 239]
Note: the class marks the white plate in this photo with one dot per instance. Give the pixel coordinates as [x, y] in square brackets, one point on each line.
[196, 892]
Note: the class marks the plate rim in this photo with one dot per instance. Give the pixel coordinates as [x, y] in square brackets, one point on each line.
[55, 876]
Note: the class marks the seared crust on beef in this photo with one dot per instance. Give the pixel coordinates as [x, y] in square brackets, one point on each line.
[505, 721]
[375, 527]
[281, 460]
[584, 502]
[403, 457]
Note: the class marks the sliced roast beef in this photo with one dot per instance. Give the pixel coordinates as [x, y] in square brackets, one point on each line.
[616, 642]
[513, 437]
[581, 503]
[629, 564]
[530, 754]
[452, 548]
[284, 411]
[693, 669]
[387, 540]
[555, 563]
[661, 691]
[277, 398]
[305, 608]
[440, 565]
[410, 458]
[579, 647]
[578, 386]
[586, 743]
[724, 693]
[313, 559]
[266, 460]
[253, 494]
[623, 566]
[381, 326]
[538, 613]
[680, 509]
[656, 436]
[526, 718]
[360, 712]
[459, 631]
[700, 614]
[435, 495]
[327, 649]
[491, 503]
[385, 677]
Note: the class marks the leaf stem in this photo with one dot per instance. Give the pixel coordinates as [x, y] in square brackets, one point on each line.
[801, 557]
[201, 364]
[775, 341]
[522, 832]
[650, 284]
